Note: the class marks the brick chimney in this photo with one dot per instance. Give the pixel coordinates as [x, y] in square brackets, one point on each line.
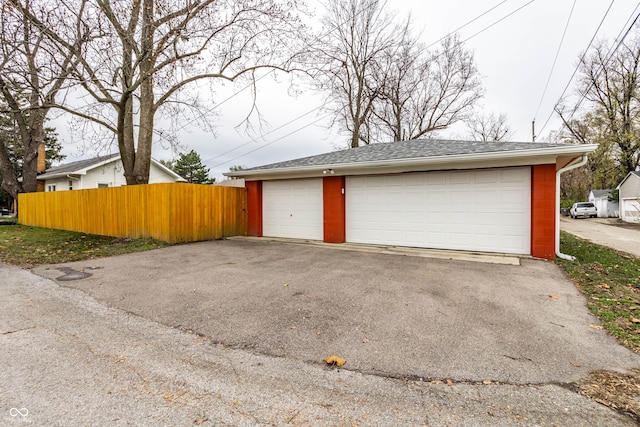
[42, 157]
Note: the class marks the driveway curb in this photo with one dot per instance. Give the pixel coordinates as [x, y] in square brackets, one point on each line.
[504, 259]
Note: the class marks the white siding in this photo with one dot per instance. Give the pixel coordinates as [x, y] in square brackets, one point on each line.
[110, 174]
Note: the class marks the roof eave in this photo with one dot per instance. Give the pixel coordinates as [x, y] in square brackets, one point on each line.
[459, 161]
[46, 176]
[626, 178]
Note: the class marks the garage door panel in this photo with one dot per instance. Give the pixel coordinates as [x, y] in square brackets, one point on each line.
[486, 218]
[517, 220]
[487, 177]
[485, 210]
[460, 178]
[514, 175]
[293, 209]
[513, 198]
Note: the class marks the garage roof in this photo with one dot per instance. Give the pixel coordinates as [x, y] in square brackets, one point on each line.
[417, 155]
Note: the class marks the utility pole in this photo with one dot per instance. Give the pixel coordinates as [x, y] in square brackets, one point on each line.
[533, 130]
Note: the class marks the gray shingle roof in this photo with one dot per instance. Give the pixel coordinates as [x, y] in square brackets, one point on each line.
[601, 193]
[405, 150]
[74, 167]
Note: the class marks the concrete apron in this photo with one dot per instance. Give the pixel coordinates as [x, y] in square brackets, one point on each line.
[488, 258]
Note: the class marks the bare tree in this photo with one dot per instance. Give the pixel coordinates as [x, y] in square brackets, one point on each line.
[425, 92]
[143, 55]
[611, 115]
[32, 74]
[359, 32]
[384, 84]
[489, 127]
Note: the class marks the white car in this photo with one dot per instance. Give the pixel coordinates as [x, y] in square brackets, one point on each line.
[585, 209]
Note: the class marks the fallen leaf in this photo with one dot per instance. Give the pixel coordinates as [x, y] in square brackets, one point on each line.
[634, 320]
[605, 286]
[335, 360]
[449, 382]
[286, 284]
[577, 365]
[365, 340]
[486, 382]
[200, 420]
[167, 396]
[553, 296]
[293, 327]
[596, 327]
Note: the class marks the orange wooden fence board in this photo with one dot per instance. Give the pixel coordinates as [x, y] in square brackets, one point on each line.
[173, 212]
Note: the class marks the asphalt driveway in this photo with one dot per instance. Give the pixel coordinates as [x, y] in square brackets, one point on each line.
[392, 315]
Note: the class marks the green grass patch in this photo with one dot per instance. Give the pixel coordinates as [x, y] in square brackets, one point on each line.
[610, 280]
[26, 246]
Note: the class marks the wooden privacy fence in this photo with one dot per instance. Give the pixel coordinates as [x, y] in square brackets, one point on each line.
[173, 212]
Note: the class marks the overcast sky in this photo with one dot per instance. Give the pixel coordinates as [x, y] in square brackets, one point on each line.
[514, 57]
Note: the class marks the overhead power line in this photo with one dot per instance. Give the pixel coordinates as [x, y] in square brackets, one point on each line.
[233, 95]
[310, 124]
[608, 57]
[464, 25]
[274, 141]
[546, 86]
[498, 21]
[268, 133]
[577, 66]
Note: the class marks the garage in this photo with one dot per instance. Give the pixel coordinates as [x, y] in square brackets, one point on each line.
[475, 210]
[293, 208]
[480, 196]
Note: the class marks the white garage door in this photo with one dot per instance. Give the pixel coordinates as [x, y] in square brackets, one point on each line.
[480, 210]
[631, 210]
[292, 208]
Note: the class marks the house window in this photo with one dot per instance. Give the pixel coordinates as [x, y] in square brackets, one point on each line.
[70, 185]
[51, 187]
[102, 185]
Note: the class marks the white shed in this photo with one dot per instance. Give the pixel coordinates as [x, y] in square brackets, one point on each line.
[606, 207]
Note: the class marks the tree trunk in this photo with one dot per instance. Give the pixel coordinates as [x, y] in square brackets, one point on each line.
[10, 182]
[126, 143]
[31, 145]
[142, 164]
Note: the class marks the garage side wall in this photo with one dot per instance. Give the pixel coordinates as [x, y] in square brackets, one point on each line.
[543, 211]
[334, 209]
[254, 208]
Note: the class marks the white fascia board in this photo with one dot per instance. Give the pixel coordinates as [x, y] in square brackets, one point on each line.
[47, 176]
[419, 164]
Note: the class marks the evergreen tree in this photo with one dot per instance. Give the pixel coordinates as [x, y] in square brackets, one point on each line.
[189, 166]
[15, 150]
